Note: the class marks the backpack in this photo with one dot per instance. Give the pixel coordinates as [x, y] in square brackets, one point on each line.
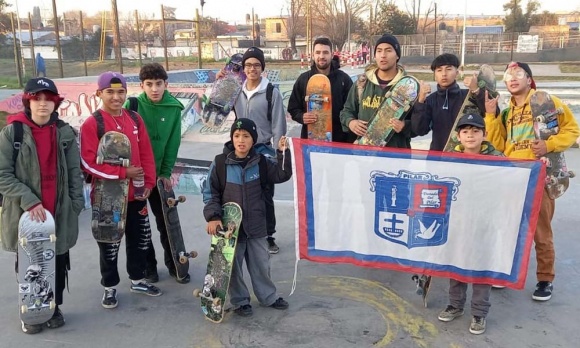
[221, 172]
[269, 92]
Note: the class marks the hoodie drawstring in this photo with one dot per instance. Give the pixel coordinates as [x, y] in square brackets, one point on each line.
[446, 103]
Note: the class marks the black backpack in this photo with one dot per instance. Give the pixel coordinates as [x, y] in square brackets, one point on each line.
[221, 172]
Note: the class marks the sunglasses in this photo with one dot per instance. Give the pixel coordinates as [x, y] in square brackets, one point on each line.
[514, 74]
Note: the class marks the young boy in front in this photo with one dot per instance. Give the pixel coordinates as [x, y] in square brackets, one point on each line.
[243, 186]
[161, 113]
[471, 134]
[112, 89]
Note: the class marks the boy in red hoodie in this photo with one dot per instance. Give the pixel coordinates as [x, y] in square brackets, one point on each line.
[43, 173]
[112, 89]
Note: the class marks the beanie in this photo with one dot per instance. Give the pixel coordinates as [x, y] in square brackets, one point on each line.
[391, 40]
[255, 52]
[247, 125]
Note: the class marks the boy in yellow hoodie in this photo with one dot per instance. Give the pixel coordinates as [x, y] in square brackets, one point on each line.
[513, 133]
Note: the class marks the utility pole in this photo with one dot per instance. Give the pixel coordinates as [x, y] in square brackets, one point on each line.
[117, 35]
[57, 32]
[198, 34]
[16, 53]
[164, 33]
[138, 37]
[32, 54]
[83, 41]
[435, 33]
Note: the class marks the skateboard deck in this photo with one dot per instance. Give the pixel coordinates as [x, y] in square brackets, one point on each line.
[224, 93]
[36, 269]
[174, 235]
[546, 124]
[109, 204]
[423, 285]
[396, 105]
[219, 266]
[486, 82]
[319, 101]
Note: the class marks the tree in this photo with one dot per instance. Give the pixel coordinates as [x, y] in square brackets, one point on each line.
[296, 21]
[394, 21]
[332, 18]
[5, 25]
[516, 20]
[544, 18]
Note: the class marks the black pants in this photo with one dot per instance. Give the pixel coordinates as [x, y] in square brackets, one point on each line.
[270, 212]
[155, 203]
[61, 268]
[137, 240]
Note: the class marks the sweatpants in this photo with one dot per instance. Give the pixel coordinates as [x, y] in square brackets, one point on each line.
[151, 263]
[137, 239]
[479, 298]
[544, 239]
[255, 252]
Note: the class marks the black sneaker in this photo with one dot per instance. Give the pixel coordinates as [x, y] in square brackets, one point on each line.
[145, 288]
[151, 275]
[279, 304]
[110, 298]
[56, 321]
[244, 311]
[543, 291]
[272, 247]
[31, 329]
[183, 280]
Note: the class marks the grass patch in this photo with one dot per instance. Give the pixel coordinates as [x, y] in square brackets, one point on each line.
[9, 82]
[3, 115]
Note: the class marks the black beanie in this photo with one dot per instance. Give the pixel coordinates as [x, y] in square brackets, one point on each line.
[255, 52]
[247, 125]
[391, 40]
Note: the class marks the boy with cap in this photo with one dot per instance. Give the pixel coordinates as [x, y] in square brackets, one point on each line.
[340, 84]
[376, 81]
[243, 184]
[112, 89]
[438, 111]
[48, 146]
[161, 113]
[471, 134]
[513, 133]
[269, 118]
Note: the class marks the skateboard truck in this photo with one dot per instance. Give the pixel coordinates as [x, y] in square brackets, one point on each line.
[215, 300]
[172, 202]
[183, 256]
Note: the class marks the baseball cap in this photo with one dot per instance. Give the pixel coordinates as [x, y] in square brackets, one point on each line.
[111, 79]
[471, 120]
[39, 84]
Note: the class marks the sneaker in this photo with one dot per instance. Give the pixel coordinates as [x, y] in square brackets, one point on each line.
[184, 280]
[151, 275]
[279, 304]
[31, 329]
[145, 288]
[543, 291]
[272, 247]
[56, 321]
[477, 326]
[110, 298]
[450, 313]
[244, 311]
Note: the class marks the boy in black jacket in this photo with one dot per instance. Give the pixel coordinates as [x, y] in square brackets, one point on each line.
[243, 186]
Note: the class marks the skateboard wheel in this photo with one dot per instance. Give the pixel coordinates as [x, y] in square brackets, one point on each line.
[407, 107]
[52, 238]
[227, 109]
[571, 174]
[193, 254]
[23, 309]
[94, 225]
[216, 301]
[23, 241]
[181, 199]
[121, 225]
[171, 202]
[126, 163]
[553, 180]
[52, 305]
[306, 98]
[196, 293]
[100, 159]
[183, 259]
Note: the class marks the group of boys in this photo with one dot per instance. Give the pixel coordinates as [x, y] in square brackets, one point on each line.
[258, 132]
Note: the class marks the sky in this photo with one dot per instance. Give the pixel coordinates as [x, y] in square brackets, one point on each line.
[234, 11]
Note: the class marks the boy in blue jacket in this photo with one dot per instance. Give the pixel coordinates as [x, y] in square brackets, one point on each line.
[244, 186]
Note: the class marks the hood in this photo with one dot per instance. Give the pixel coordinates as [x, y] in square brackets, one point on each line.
[453, 89]
[25, 118]
[166, 101]
[261, 87]
[370, 72]
[486, 148]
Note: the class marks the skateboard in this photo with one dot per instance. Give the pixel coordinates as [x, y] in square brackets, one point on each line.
[396, 105]
[110, 196]
[423, 285]
[174, 235]
[319, 101]
[486, 82]
[546, 124]
[219, 266]
[224, 93]
[36, 269]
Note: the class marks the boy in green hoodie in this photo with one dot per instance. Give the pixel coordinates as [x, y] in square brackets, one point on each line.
[161, 113]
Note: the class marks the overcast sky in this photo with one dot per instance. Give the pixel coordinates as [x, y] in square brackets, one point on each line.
[235, 10]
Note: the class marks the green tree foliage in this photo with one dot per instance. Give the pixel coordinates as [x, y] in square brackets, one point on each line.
[516, 20]
[392, 20]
